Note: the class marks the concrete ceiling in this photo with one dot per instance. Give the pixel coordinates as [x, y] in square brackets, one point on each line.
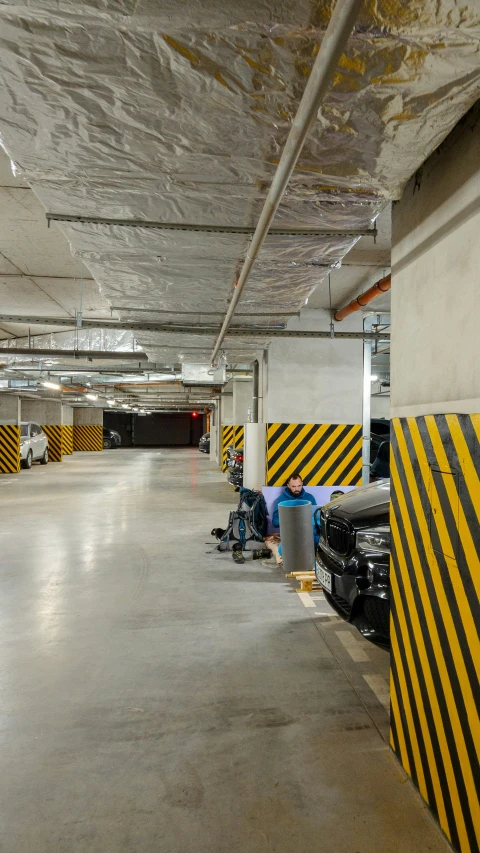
[38, 274]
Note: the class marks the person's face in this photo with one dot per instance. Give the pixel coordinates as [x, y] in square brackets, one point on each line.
[295, 486]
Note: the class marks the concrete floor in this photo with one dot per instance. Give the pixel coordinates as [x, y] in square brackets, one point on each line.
[156, 698]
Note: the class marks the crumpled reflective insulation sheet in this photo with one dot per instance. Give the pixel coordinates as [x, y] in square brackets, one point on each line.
[108, 340]
[178, 113]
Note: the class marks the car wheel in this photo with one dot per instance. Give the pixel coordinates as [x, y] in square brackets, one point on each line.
[44, 458]
[107, 444]
[27, 462]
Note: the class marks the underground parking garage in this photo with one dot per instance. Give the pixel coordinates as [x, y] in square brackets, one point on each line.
[239, 427]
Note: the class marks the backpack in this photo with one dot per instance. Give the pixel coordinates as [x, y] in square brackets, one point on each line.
[247, 525]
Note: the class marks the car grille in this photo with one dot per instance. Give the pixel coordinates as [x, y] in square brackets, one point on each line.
[341, 603]
[338, 536]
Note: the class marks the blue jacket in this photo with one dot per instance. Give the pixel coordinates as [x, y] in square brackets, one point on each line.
[287, 496]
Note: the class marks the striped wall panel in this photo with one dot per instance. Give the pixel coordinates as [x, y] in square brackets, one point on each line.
[67, 439]
[87, 437]
[239, 436]
[227, 440]
[9, 449]
[55, 442]
[324, 454]
[435, 520]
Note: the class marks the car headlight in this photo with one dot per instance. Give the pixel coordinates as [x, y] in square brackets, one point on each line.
[377, 539]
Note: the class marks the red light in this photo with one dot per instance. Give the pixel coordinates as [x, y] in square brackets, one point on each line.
[194, 414]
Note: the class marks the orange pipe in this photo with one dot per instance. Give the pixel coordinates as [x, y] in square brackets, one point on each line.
[379, 287]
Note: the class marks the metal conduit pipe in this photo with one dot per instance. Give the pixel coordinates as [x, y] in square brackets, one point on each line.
[256, 372]
[336, 35]
[377, 289]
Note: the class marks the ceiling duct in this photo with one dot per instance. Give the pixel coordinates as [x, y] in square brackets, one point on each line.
[202, 374]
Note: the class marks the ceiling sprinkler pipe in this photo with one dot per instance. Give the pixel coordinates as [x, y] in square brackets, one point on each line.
[377, 289]
[336, 36]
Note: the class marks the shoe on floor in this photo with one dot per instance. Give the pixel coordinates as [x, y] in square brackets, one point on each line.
[262, 554]
[237, 556]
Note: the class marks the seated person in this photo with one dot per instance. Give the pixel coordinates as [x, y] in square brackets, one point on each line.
[293, 491]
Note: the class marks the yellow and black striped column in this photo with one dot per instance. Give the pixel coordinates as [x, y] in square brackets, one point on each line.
[435, 575]
[324, 454]
[67, 439]
[227, 440]
[55, 441]
[87, 437]
[9, 449]
[239, 436]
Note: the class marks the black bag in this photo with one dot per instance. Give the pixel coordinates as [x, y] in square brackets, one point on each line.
[247, 525]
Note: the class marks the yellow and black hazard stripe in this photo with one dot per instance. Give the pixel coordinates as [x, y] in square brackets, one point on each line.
[87, 437]
[55, 441]
[67, 439]
[324, 454]
[227, 440]
[435, 576]
[9, 449]
[239, 436]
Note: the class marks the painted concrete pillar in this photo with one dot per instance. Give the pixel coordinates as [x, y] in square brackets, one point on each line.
[314, 405]
[9, 434]
[67, 432]
[87, 429]
[242, 400]
[435, 478]
[254, 456]
[48, 414]
[226, 423]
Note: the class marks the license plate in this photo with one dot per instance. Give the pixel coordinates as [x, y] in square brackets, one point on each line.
[324, 577]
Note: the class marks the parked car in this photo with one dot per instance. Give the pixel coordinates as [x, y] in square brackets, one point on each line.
[353, 558]
[380, 469]
[379, 432]
[33, 445]
[111, 438]
[204, 443]
[235, 467]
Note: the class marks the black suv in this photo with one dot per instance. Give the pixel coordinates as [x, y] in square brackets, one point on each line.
[353, 558]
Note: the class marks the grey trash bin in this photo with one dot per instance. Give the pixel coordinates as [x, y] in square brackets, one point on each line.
[296, 532]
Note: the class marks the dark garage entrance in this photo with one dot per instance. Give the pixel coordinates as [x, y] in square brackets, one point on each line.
[179, 429]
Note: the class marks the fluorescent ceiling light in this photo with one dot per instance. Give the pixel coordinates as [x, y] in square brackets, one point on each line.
[373, 377]
[125, 406]
[54, 385]
[91, 396]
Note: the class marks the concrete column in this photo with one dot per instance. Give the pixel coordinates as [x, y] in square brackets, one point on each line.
[226, 425]
[67, 432]
[254, 456]
[242, 400]
[435, 471]
[314, 405]
[87, 429]
[9, 434]
[48, 414]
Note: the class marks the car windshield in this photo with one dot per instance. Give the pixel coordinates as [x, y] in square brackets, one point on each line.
[24, 430]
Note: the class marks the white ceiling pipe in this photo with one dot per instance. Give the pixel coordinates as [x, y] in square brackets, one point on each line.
[336, 35]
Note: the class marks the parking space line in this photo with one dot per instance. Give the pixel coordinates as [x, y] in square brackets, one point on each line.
[380, 688]
[352, 646]
[305, 599]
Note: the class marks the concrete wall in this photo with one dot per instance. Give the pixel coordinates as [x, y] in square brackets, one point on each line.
[380, 406]
[88, 416]
[9, 409]
[242, 400]
[435, 282]
[315, 381]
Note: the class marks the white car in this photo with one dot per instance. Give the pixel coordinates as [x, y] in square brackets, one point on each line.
[33, 445]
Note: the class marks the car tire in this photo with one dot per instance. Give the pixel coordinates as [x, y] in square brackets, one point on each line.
[107, 444]
[44, 458]
[27, 462]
